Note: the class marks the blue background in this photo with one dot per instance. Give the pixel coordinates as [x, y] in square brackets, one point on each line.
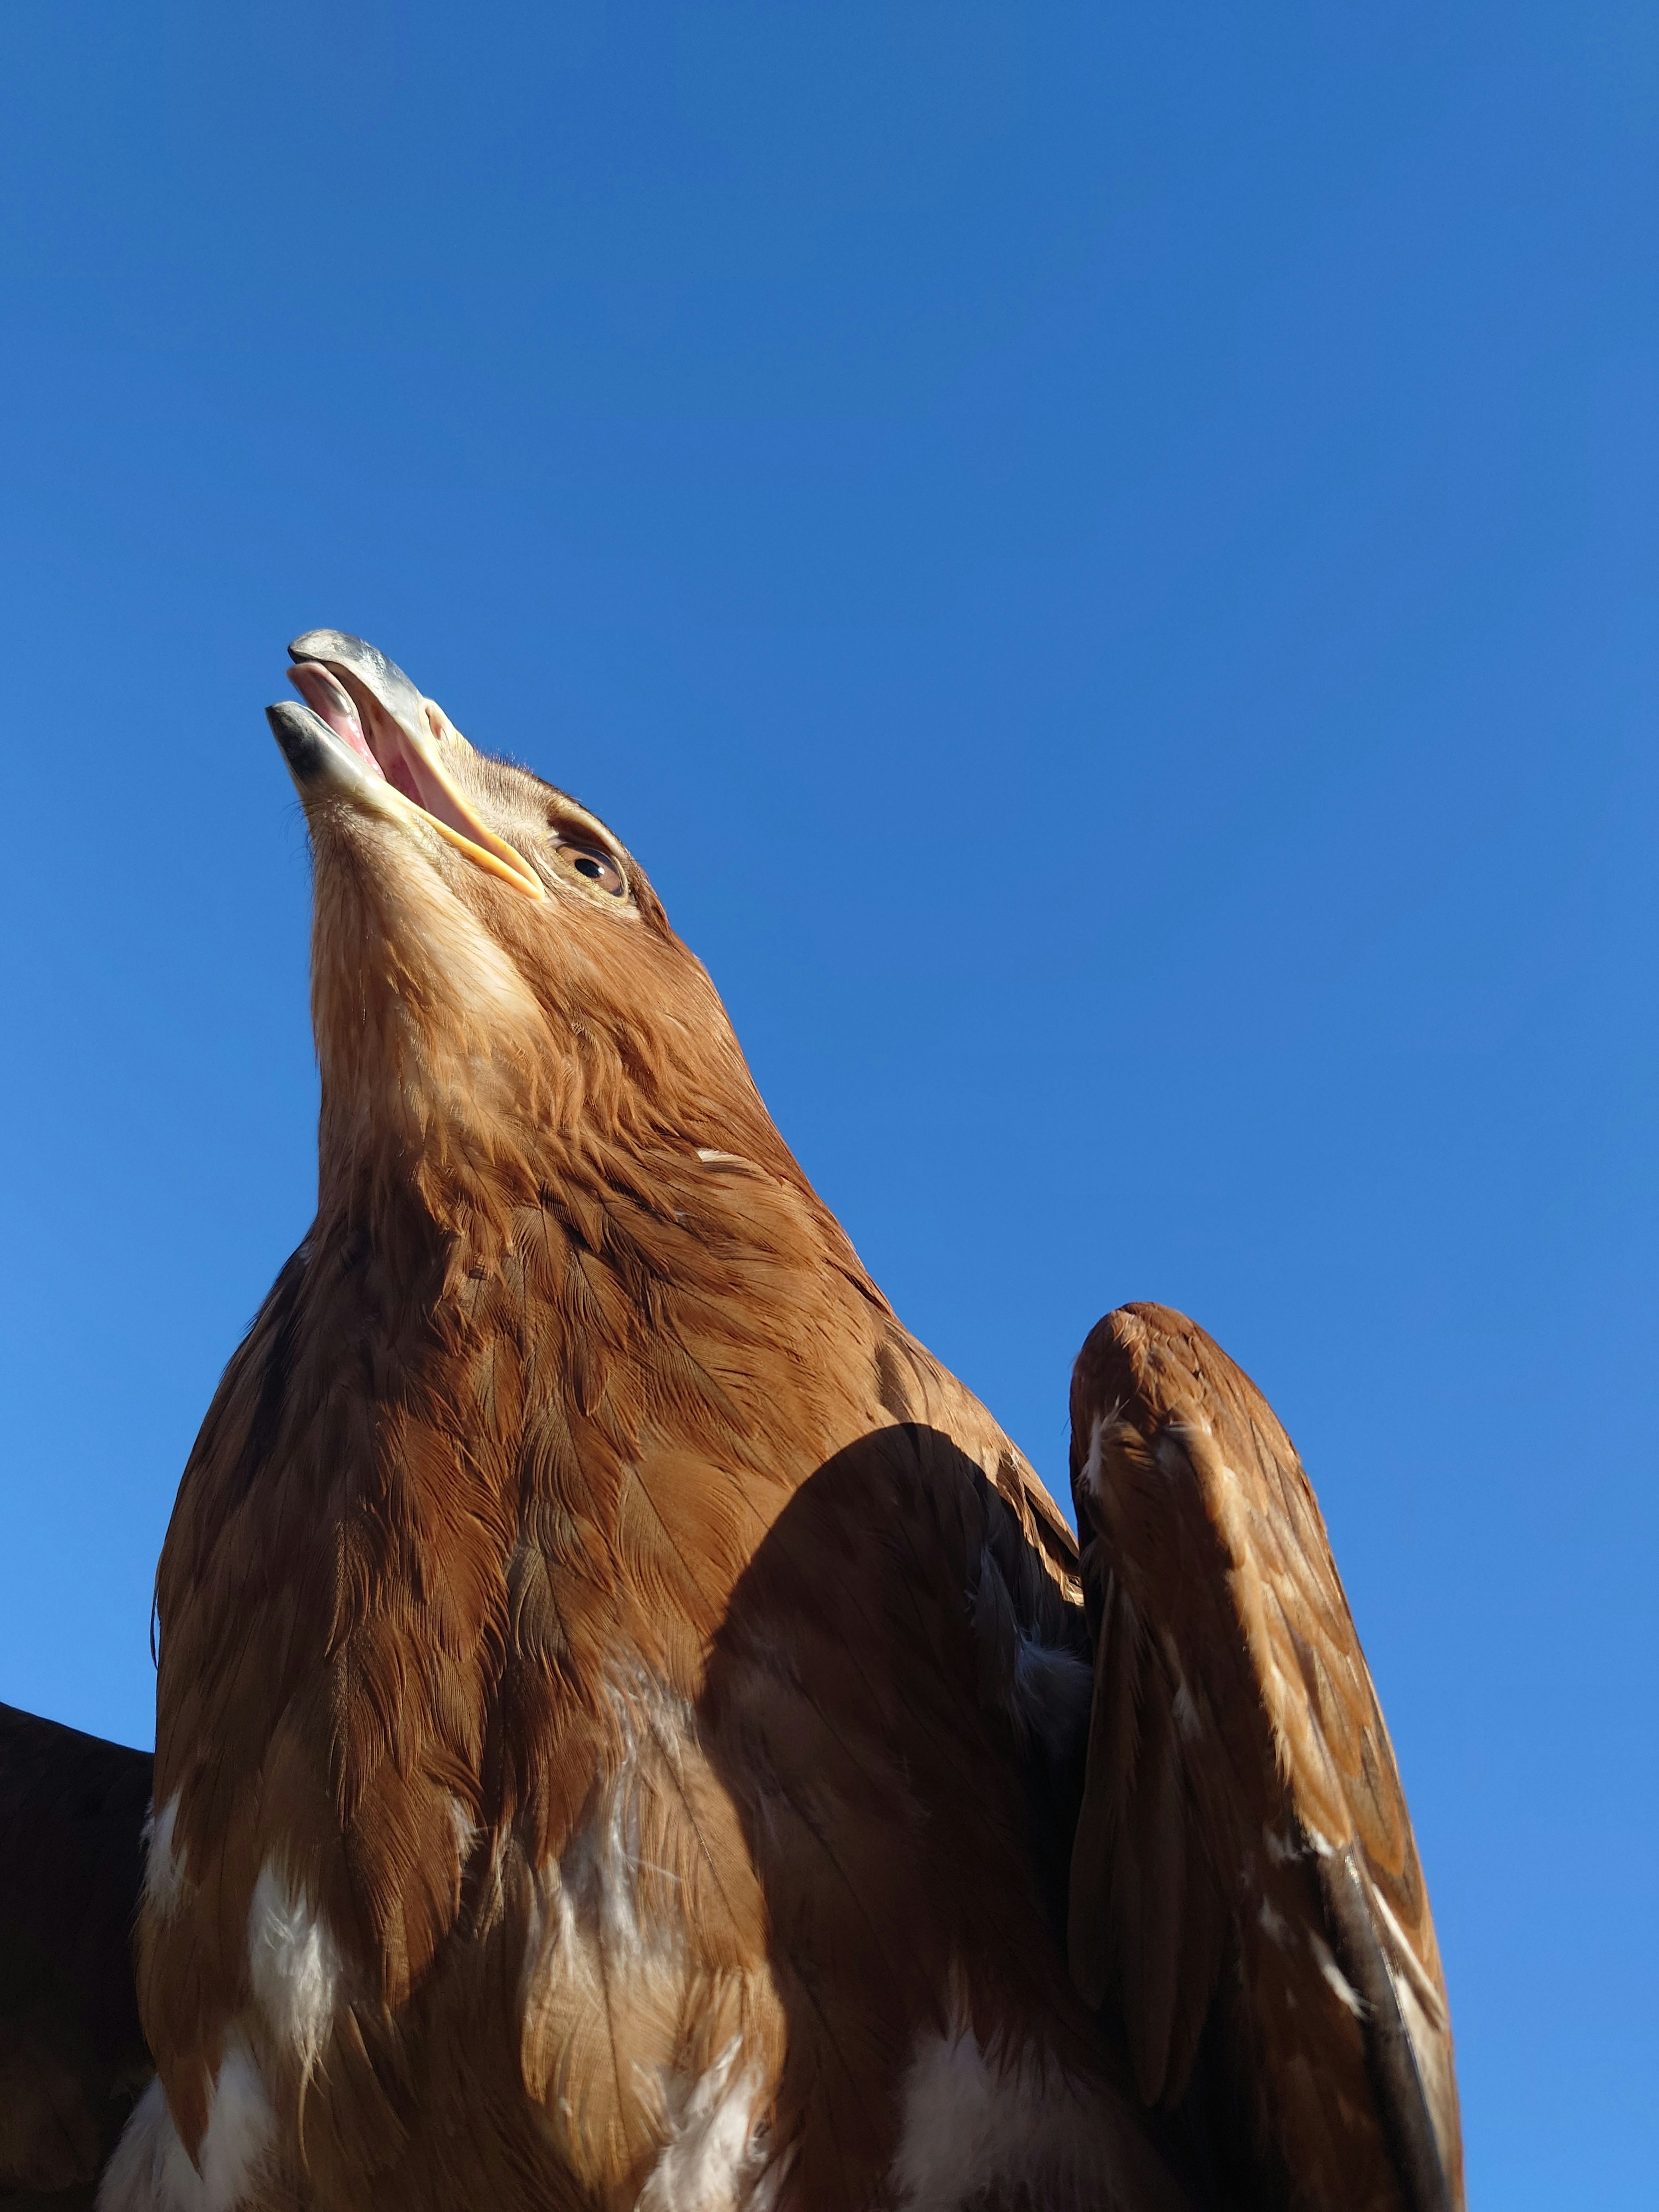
[1104, 559]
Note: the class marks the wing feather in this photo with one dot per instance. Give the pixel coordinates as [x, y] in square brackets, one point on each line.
[1246, 1895]
[72, 2055]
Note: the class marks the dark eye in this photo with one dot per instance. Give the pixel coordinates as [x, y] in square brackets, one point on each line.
[592, 864]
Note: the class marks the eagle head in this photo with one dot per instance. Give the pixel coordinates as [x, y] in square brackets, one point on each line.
[499, 1001]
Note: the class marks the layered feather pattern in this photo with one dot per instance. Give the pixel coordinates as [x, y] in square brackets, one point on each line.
[630, 1729]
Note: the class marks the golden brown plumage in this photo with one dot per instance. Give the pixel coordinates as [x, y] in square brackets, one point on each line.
[622, 1706]
[1246, 1895]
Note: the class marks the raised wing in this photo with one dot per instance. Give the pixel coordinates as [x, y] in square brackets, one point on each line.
[72, 2055]
[1246, 1896]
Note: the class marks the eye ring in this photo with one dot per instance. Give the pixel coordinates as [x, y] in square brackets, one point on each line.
[585, 861]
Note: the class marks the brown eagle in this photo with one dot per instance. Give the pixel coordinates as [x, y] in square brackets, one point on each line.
[633, 1731]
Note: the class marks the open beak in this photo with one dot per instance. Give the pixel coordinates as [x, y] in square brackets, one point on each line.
[367, 730]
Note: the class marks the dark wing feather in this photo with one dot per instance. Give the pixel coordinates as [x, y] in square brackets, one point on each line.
[72, 2055]
[1246, 1897]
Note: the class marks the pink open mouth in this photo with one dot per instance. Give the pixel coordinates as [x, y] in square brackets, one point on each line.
[363, 723]
[390, 756]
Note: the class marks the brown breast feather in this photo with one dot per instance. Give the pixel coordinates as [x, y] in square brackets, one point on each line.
[663, 1492]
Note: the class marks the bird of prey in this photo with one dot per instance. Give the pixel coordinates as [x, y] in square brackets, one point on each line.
[631, 1729]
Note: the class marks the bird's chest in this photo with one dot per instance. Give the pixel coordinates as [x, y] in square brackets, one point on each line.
[744, 1961]
[737, 1981]
[668, 1903]
[743, 1975]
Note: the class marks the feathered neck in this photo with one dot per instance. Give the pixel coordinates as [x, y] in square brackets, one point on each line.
[462, 1086]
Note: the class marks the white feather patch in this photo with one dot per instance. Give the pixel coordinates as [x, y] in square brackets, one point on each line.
[1090, 1478]
[164, 1873]
[974, 2124]
[589, 1954]
[294, 1963]
[241, 2125]
[1334, 1977]
[713, 2158]
[151, 2172]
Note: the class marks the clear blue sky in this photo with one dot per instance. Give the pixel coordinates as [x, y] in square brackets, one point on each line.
[1104, 558]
